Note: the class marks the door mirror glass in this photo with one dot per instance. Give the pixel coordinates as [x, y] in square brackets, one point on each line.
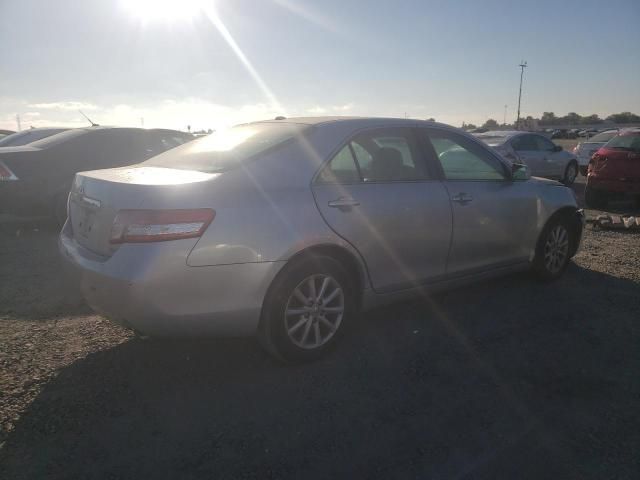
[519, 171]
[557, 148]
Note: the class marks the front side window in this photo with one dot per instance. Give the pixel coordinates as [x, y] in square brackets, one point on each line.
[461, 159]
[544, 145]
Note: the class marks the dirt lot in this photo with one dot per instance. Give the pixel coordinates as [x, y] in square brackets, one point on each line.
[510, 379]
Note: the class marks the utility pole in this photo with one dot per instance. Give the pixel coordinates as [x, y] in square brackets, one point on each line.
[504, 119]
[18, 121]
[522, 66]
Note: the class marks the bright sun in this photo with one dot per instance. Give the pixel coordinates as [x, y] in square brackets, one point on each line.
[165, 10]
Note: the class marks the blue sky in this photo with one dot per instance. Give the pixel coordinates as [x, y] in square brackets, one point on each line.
[210, 63]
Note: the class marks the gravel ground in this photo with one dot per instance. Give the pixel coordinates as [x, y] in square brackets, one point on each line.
[509, 379]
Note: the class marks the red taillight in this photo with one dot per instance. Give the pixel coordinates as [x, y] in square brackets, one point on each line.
[139, 226]
[6, 174]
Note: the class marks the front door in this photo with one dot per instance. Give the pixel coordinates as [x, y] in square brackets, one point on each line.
[376, 193]
[529, 153]
[493, 216]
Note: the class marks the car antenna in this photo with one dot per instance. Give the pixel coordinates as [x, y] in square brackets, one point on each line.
[88, 119]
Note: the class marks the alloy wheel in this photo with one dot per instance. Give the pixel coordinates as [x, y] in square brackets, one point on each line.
[314, 311]
[556, 249]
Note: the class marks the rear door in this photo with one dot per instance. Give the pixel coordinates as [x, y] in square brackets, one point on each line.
[377, 194]
[493, 216]
[528, 153]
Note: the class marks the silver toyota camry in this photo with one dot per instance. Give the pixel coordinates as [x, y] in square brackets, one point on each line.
[286, 229]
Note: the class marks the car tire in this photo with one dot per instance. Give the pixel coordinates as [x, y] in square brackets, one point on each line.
[570, 173]
[295, 331]
[554, 248]
[595, 198]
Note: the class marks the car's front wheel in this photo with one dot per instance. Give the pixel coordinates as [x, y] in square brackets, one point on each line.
[554, 248]
[307, 309]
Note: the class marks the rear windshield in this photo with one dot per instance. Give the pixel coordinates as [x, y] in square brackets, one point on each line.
[629, 141]
[492, 140]
[603, 137]
[225, 149]
[58, 138]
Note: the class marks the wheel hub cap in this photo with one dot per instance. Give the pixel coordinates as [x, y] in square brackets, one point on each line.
[556, 249]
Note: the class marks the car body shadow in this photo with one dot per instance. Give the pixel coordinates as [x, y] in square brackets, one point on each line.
[509, 379]
[36, 282]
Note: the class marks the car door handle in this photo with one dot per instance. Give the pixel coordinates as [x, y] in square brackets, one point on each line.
[462, 198]
[343, 202]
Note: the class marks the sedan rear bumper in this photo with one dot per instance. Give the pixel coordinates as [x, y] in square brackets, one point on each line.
[152, 290]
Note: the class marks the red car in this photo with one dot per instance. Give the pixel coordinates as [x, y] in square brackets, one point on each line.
[614, 170]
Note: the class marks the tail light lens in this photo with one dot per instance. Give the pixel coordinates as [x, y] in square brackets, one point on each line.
[141, 226]
[6, 174]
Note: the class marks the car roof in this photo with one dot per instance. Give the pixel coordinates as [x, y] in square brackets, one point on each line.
[353, 121]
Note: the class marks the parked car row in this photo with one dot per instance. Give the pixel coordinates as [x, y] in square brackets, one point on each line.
[541, 155]
[285, 229]
[36, 177]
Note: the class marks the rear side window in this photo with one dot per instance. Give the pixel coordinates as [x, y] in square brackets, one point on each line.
[383, 155]
[524, 143]
[341, 169]
[462, 159]
[226, 149]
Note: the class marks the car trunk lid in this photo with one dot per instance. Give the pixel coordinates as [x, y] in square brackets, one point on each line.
[97, 196]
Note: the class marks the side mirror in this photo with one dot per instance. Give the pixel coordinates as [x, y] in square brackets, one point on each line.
[557, 148]
[520, 171]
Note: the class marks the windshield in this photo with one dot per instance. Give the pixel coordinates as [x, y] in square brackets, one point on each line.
[603, 137]
[630, 141]
[58, 138]
[225, 149]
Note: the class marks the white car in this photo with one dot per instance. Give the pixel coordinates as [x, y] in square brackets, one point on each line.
[585, 150]
[543, 157]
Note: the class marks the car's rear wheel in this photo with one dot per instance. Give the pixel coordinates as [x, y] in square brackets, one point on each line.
[595, 198]
[307, 309]
[570, 173]
[554, 248]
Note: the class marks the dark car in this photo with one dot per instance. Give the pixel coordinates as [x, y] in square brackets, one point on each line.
[614, 170]
[25, 137]
[563, 133]
[35, 179]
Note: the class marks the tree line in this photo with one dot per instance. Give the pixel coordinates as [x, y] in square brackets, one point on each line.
[571, 118]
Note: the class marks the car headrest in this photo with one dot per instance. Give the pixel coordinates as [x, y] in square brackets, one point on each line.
[386, 164]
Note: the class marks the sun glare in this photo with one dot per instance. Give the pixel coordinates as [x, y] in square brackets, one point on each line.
[164, 10]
